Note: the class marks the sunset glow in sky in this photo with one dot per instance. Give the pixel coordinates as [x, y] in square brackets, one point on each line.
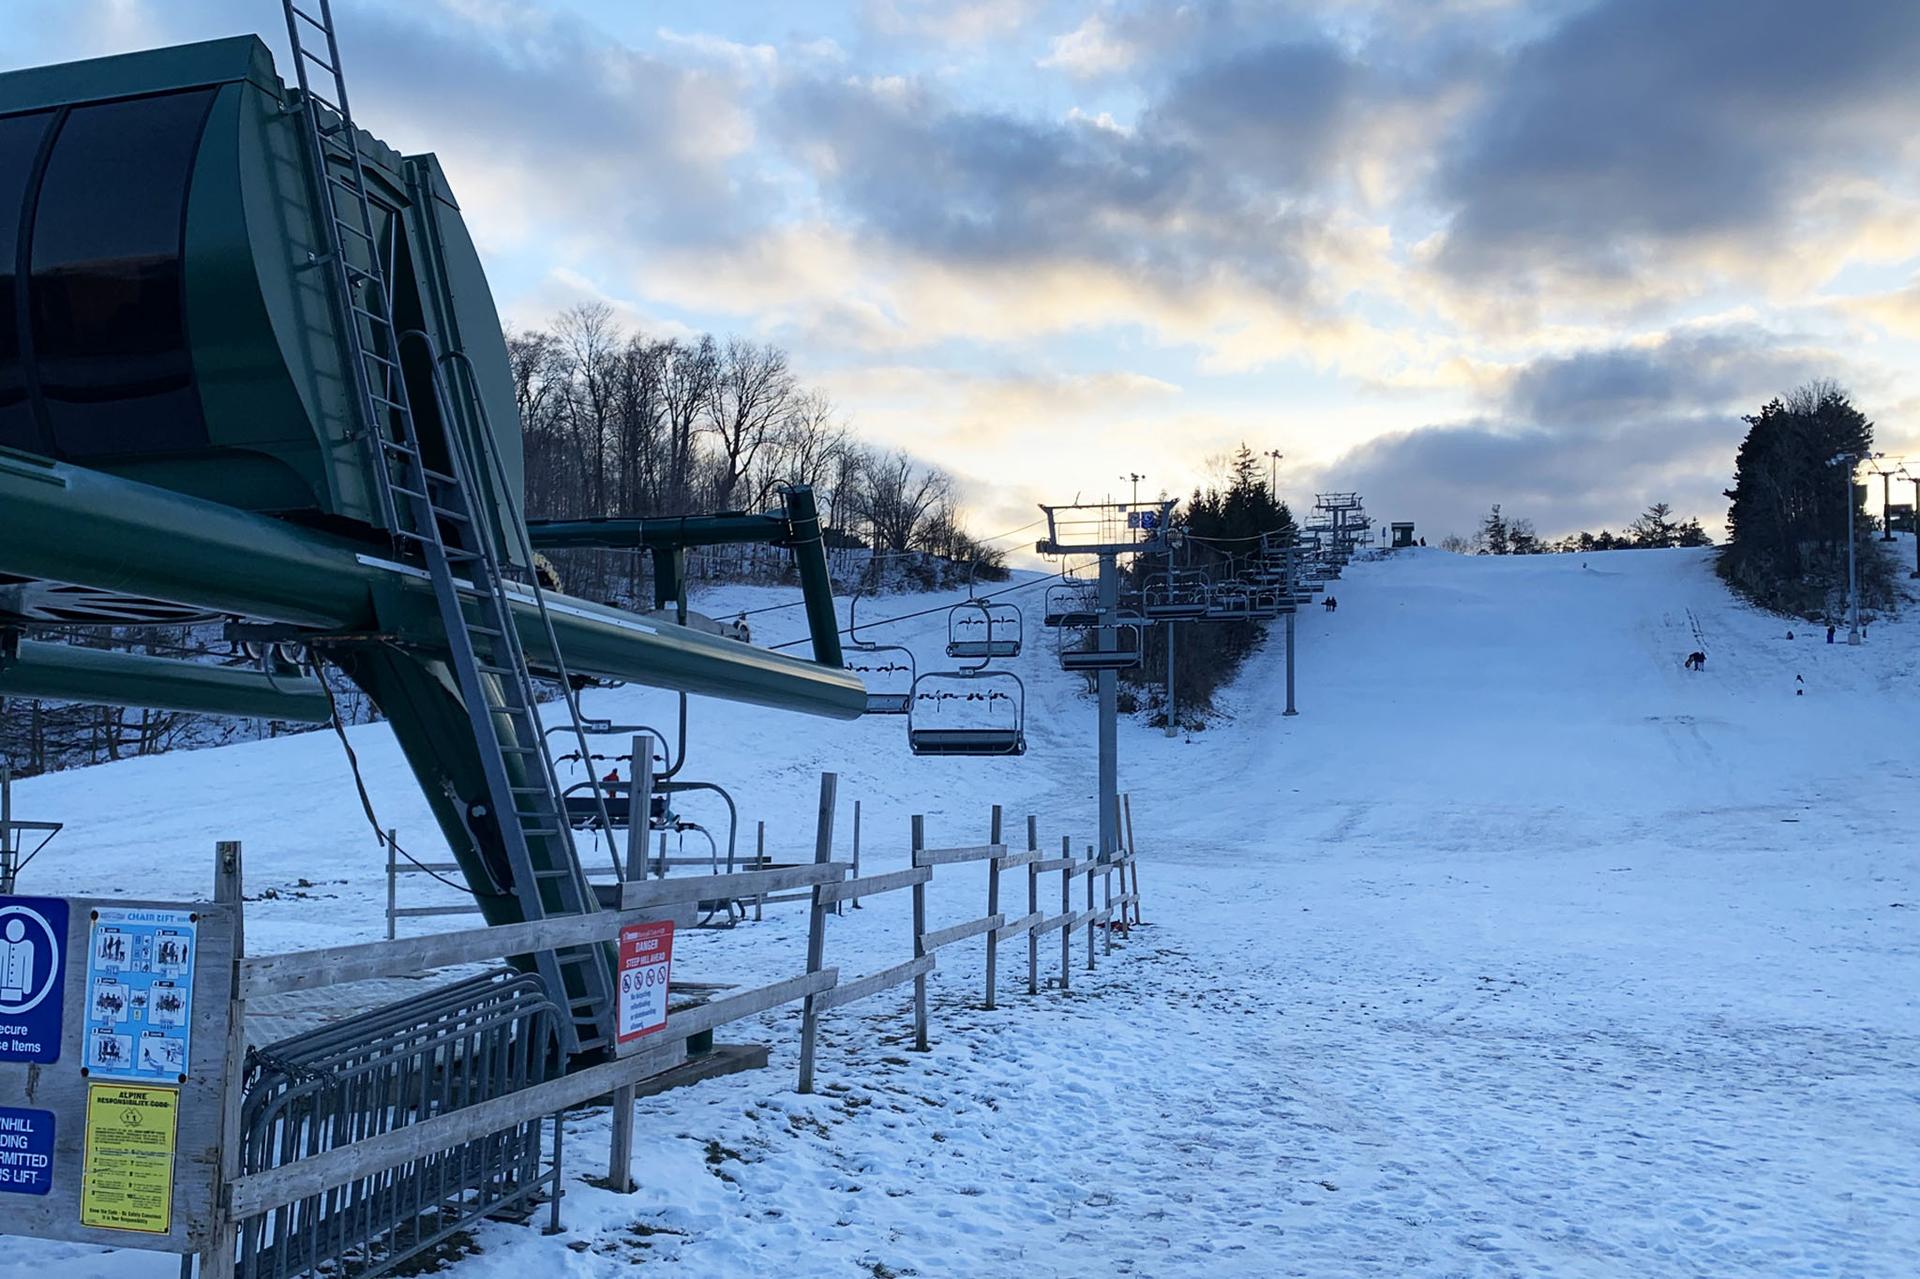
[1445, 252]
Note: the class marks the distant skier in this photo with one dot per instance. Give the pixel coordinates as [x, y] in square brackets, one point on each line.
[1696, 660]
[1830, 630]
[1332, 605]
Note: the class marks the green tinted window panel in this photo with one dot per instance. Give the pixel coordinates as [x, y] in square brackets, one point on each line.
[110, 339]
[21, 138]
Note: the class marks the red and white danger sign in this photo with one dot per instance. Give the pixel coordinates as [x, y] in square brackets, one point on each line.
[646, 960]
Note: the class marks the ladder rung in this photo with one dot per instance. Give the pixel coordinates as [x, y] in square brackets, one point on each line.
[312, 21]
[345, 225]
[331, 69]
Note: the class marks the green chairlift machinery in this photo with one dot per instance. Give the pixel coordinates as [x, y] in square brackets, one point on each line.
[250, 369]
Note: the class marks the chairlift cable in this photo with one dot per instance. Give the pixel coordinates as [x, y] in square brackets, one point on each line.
[366, 804]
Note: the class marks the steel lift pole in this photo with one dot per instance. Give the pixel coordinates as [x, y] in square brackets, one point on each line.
[1293, 553]
[1109, 684]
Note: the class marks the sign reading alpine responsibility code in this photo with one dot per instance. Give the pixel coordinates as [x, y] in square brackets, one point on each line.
[33, 977]
[646, 960]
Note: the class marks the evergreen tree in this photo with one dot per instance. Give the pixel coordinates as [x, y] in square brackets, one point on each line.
[1495, 538]
[1655, 529]
[1793, 505]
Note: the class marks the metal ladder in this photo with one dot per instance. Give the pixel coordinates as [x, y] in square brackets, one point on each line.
[440, 515]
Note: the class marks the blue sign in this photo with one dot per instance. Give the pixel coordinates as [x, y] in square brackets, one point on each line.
[139, 1009]
[26, 1151]
[33, 977]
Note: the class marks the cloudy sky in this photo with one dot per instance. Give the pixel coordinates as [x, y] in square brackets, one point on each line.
[1446, 252]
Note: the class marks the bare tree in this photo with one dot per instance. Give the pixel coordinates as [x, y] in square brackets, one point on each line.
[747, 403]
[896, 494]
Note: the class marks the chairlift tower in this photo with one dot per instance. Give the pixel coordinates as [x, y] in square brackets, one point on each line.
[1106, 531]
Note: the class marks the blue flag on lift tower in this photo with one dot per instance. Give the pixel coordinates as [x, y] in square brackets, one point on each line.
[1148, 520]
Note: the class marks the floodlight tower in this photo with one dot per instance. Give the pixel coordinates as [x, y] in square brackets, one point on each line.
[1108, 530]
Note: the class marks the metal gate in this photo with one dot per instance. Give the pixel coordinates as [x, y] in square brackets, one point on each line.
[443, 1051]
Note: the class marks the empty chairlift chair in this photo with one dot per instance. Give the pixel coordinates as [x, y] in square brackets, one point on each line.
[1081, 649]
[1177, 596]
[1071, 604]
[891, 667]
[984, 629]
[968, 712]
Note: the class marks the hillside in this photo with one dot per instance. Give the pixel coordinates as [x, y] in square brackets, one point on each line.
[1522, 950]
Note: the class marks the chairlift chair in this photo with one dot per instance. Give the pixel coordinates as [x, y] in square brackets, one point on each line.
[1070, 604]
[888, 660]
[968, 712]
[984, 629]
[1086, 655]
[1174, 596]
[1229, 604]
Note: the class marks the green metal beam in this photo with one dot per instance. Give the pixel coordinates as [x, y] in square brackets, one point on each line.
[71, 524]
[798, 529]
[68, 673]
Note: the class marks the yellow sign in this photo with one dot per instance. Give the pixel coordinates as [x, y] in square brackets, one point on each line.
[126, 1182]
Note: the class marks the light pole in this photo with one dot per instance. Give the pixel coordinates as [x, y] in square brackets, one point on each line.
[1853, 585]
[1273, 473]
[1136, 486]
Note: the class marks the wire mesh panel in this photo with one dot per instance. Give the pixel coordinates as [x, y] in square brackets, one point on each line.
[385, 1070]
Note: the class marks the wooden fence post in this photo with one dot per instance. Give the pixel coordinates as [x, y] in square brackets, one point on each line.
[1033, 907]
[1106, 881]
[760, 863]
[393, 881]
[1133, 855]
[1066, 908]
[993, 906]
[856, 847]
[817, 926]
[223, 1241]
[919, 939]
[1092, 863]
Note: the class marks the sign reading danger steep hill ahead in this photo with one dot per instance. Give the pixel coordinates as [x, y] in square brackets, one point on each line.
[646, 960]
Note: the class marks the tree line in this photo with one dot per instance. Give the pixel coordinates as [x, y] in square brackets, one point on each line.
[1654, 529]
[620, 423]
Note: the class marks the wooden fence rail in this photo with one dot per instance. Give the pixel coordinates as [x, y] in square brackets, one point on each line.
[824, 883]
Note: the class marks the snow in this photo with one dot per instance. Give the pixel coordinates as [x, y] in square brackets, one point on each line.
[1521, 951]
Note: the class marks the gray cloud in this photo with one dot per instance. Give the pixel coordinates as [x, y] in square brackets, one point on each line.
[1590, 439]
[1217, 177]
[1641, 124]
[579, 124]
[1688, 370]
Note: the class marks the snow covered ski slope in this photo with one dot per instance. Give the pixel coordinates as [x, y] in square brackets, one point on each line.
[1520, 951]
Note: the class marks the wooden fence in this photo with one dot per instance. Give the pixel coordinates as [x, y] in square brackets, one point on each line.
[824, 883]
